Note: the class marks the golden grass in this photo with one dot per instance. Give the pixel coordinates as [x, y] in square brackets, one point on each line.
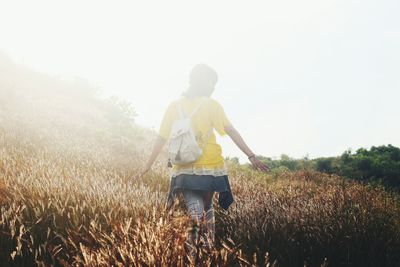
[71, 209]
[66, 197]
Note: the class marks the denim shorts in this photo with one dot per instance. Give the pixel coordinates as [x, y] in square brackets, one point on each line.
[204, 183]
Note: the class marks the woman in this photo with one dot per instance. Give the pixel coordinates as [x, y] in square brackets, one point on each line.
[208, 174]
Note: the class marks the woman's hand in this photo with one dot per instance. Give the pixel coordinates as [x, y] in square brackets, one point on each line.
[257, 164]
[158, 145]
[237, 138]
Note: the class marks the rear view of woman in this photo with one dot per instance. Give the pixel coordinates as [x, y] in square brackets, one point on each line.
[198, 181]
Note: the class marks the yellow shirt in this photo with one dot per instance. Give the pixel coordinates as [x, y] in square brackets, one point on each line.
[208, 117]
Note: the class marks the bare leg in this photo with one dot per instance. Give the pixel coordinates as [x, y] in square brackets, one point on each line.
[209, 218]
[200, 208]
[195, 206]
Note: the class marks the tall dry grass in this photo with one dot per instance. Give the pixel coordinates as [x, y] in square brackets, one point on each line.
[66, 198]
[81, 209]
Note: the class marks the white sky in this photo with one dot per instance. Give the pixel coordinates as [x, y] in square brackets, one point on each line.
[311, 77]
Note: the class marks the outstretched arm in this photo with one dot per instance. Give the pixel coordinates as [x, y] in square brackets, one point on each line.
[238, 140]
[158, 145]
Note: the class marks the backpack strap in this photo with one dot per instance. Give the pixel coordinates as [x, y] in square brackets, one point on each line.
[197, 107]
[180, 110]
[182, 114]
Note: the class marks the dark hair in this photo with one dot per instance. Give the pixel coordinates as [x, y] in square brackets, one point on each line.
[202, 79]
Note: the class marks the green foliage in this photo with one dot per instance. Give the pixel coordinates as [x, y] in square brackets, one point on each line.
[286, 163]
[126, 110]
[379, 164]
[232, 160]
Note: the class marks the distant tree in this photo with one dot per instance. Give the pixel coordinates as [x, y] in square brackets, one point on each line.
[234, 160]
[289, 163]
[125, 107]
[324, 165]
[378, 164]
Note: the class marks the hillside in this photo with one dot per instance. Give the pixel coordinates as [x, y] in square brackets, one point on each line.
[68, 116]
[66, 197]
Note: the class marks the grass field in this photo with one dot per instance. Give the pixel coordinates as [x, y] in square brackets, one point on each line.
[66, 198]
[74, 208]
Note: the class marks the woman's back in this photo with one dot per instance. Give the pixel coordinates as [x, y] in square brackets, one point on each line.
[208, 117]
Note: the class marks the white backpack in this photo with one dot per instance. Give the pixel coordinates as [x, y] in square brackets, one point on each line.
[183, 147]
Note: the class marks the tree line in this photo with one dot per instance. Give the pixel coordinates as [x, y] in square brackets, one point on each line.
[379, 164]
